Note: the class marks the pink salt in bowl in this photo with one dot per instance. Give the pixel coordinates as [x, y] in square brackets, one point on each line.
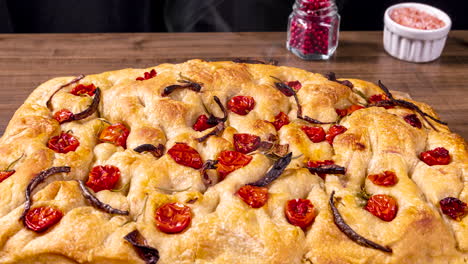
[409, 41]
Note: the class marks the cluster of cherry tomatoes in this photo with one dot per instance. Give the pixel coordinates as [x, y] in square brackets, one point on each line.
[176, 217]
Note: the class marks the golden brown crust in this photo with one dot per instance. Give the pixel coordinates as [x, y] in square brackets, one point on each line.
[224, 229]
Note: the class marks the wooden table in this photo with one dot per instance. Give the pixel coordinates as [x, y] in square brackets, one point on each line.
[28, 60]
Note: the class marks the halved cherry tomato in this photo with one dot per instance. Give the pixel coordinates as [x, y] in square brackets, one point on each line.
[185, 155]
[354, 108]
[63, 116]
[229, 161]
[5, 174]
[300, 212]
[281, 120]
[253, 196]
[386, 178]
[453, 207]
[437, 156]
[349, 110]
[82, 89]
[147, 75]
[63, 143]
[116, 134]
[241, 105]
[316, 134]
[318, 163]
[334, 131]
[413, 120]
[40, 219]
[246, 143]
[202, 123]
[341, 112]
[103, 178]
[383, 206]
[296, 85]
[378, 98]
[173, 218]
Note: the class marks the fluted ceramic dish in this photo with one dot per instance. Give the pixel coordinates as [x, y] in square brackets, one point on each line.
[411, 44]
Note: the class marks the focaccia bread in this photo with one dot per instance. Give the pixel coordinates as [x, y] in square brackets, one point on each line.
[229, 162]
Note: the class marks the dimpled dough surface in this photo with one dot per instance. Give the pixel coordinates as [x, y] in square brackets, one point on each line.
[224, 229]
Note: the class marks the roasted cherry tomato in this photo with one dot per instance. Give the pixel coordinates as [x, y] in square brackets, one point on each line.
[437, 156]
[349, 110]
[354, 108]
[40, 219]
[296, 85]
[202, 123]
[185, 155]
[241, 105]
[378, 98]
[148, 75]
[386, 178]
[246, 143]
[63, 143]
[334, 131]
[281, 120]
[318, 163]
[253, 196]
[300, 212]
[82, 89]
[315, 134]
[116, 134]
[5, 174]
[453, 207]
[63, 116]
[173, 218]
[229, 161]
[383, 206]
[103, 178]
[413, 120]
[341, 112]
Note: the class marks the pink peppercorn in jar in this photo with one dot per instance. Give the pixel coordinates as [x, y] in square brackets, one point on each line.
[313, 29]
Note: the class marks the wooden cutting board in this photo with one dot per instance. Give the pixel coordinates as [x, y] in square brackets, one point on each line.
[27, 60]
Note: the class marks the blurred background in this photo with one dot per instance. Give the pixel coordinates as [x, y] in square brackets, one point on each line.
[84, 16]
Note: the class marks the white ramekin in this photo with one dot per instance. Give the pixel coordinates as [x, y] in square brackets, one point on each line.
[415, 45]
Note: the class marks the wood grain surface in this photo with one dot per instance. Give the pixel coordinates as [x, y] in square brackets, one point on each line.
[30, 59]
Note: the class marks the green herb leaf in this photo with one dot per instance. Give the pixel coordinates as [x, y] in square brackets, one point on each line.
[14, 162]
[121, 189]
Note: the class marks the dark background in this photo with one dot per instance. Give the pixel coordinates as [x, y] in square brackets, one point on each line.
[73, 16]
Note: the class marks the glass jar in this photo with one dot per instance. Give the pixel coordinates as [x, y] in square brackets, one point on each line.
[313, 29]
